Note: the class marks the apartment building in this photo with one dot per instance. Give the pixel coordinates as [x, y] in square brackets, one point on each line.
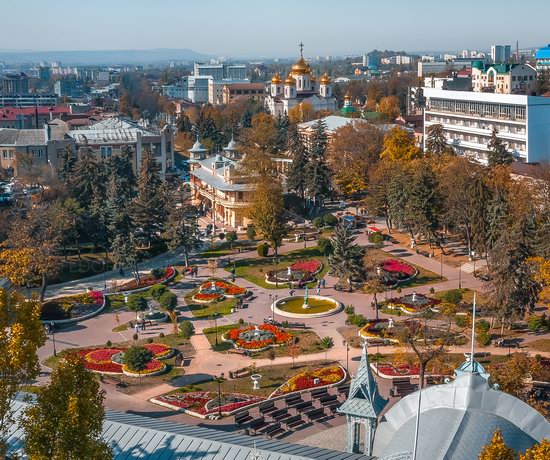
[468, 119]
[504, 78]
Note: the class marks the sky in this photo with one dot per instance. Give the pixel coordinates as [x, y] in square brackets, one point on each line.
[273, 28]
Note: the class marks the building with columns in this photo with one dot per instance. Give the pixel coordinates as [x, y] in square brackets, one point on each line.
[298, 87]
[218, 186]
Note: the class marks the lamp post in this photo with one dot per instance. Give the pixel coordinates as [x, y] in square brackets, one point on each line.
[441, 265]
[346, 344]
[273, 309]
[276, 269]
[219, 380]
[304, 236]
[474, 260]
[104, 275]
[460, 275]
[52, 328]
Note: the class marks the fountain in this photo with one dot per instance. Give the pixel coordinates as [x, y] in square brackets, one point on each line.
[306, 299]
[390, 323]
[256, 381]
[414, 297]
[306, 306]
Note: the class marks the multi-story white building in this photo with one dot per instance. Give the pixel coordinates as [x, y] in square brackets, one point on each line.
[468, 119]
[542, 58]
[220, 71]
[504, 78]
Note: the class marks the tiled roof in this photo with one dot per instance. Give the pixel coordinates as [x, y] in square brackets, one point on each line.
[22, 137]
[11, 113]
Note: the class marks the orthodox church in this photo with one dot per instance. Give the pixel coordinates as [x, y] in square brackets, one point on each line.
[300, 86]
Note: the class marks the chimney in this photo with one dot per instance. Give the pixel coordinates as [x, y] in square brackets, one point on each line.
[47, 132]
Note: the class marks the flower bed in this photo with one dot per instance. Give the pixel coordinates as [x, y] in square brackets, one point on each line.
[153, 368]
[203, 403]
[378, 329]
[313, 266]
[72, 307]
[146, 281]
[394, 271]
[301, 272]
[207, 298]
[260, 338]
[311, 379]
[216, 290]
[160, 350]
[412, 303]
[389, 371]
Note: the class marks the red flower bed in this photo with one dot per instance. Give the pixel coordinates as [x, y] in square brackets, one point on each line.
[397, 266]
[279, 337]
[206, 297]
[99, 359]
[396, 371]
[312, 266]
[152, 366]
[196, 401]
[306, 380]
[158, 349]
[101, 355]
[145, 281]
[228, 288]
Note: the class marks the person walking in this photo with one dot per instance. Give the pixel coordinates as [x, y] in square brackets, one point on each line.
[137, 327]
[318, 290]
[142, 324]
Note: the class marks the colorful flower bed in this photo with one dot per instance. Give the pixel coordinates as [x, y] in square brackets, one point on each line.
[203, 403]
[394, 271]
[72, 307]
[301, 272]
[311, 379]
[147, 281]
[387, 370]
[313, 266]
[378, 329]
[160, 350]
[252, 338]
[412, 303]
[153, 367]
[217, 290]
[202, 297]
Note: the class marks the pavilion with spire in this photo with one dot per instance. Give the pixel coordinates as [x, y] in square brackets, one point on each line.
[362, 408]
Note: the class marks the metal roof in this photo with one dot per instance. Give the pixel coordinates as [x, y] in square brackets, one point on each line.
[135, 436]
[456, 420]
[543, 53]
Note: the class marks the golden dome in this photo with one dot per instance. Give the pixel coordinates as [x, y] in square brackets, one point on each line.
[347, 97]
[301, 67]
[276, 79]
[290, 80]
[325, 79]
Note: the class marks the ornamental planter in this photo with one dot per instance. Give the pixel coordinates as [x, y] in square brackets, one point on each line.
[169, 276]
[100, 308]
[280, 393]
[129, 373]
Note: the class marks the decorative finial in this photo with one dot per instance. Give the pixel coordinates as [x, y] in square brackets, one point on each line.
[301, 49]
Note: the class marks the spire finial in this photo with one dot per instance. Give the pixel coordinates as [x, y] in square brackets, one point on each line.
[473, 334]
[301, 45]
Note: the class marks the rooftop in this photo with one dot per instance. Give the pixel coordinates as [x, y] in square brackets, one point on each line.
[114, 129]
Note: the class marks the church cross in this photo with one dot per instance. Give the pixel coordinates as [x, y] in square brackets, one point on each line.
[301, 49]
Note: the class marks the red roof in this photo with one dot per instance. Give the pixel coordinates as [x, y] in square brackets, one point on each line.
[464, 73]
[375, 229]
[11, 113]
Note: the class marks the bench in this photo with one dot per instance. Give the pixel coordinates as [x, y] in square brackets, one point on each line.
[239, 373]
[280, 414]
[315, 414]
[318, 393]
[331, 405]
[294, 422]
[304, 405]
[258, 424]
[242, 418]
[327, 398]
[294, 402]
[274, 430]
[297, 325]
[266, 408]
[236, 352]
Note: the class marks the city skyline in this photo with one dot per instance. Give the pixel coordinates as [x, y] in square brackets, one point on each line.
[325, 30]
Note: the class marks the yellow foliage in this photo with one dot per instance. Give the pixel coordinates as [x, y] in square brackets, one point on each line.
[539, 451]
[497, 449]
[399, 145]
[542, 276]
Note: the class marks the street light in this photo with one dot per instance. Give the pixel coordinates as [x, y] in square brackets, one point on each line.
[276, 269]
[219, 380]
[52, 329]
[104, 276]
[346, 344]
[460, 275]
[441, 263]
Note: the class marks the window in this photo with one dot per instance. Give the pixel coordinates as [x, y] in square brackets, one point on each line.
[5, 154]
[240, 195]
[106, 151]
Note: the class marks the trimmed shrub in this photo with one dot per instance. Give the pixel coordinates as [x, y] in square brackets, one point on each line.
[483, 325]
[462, 320]
[231, 237]
[376, 238]
[483, 338]
[263, 250]
[325, 246]
[150, 340]
[330, 220]
[357, 320]
[187, 329]
[158, 272]
[250, 232]
[157, 291]
[109, 344]
[221, 236]
[168, 300]
[349, 310]
[161, 335]
[327, 342]
[453, 296]
[318, 222]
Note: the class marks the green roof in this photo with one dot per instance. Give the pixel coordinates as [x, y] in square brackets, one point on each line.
[499, 68]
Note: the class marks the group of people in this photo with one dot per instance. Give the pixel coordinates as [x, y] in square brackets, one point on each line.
[321, 284]
[139, 325]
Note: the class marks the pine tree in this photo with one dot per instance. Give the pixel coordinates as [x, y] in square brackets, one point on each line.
[282, 127]
[182, 230]
[436, 142]
[498, 152]
[346, 260]
[317, 171]
[296, 179]
[184, 124]
[497, 213]
[66, 421]
[86, 174]
[497, 449]
[149, 210]
[66, 168]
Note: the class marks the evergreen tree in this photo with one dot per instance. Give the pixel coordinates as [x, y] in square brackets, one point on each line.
[498, 152]
[346, 260]
[182, 230]
[184, 124]
[497, 213]
[296, 179]
[86, 174]
[317, 171]
[120, 168]
[246, 120]
[436, 142]
[66, 168]
[148, 210]
[282, 127]
[66, 421]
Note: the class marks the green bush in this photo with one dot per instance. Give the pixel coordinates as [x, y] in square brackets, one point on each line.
[251, 232]
[432, 290]
[327, 342]
[483, 325]
[168, 300]
[109, 344]
[137, 303]
[135, 337]
[357, 320]
[161, 335]
[231, 237]
[537, 323]
[349, 310]
[318, 222]
[376, 238]
[150, 340]
[462, 320]
[483, 338]
[158, 273]
[325, 246]
[221, 235]
[187, 329]
[453, 296]
[137, 358]
[330, 220]
[263, 250]
[157, 291]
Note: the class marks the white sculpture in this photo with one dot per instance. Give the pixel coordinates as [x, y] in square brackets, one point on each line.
[256, 381]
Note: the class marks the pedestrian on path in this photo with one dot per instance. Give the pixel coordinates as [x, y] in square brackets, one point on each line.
[142, 324]
[323, 283]
[318, 290]
[137, 327]
[291, 292]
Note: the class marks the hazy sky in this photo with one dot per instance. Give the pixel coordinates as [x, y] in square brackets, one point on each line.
[247, 28]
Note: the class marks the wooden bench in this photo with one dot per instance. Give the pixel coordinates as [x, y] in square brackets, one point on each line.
[266, 408]
[318, 393]
[258, 424]
[327, 398]
[274, 430]
[297, 325]
[243, 417]
[294, 402]
[239, 373]
[280, 414]
[315, 414]
[294, 422]
[303, 406]
[331, 405]
[236, 352]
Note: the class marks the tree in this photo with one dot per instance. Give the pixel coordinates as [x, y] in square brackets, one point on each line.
[21, 335]
[267, 212]
[325, 246]
[137, 359]
[498, 155]
[187, 329]
[373, 284]
[511, 375]
[182, 230]
[281, 125]
[354, 150]
[317, 171]
[436, 142]
[137, 303]
[399, 145]
[293, 351]
[497, 449]
[66, 421]
[148, 211]
[29, 253]
[541, 274]
[85, 177]
[540, 451]
[389, 106]
[296, 177]
[168, 301]
[346, 260]
[67, 165]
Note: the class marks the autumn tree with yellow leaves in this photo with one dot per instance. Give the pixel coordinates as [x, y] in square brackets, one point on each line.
[497, 449]
[540, 451]
[66, 421]
[21, 334]
[399, 145]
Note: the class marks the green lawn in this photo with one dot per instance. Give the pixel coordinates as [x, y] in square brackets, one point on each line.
[211, 332]
[272, 378]
[255, 269]
[224, 248]
[207, 310]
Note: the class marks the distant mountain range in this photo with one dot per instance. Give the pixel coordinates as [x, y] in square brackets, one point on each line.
[107, 57]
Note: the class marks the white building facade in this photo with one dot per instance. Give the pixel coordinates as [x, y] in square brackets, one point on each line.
[504, 78]
[468, 119]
